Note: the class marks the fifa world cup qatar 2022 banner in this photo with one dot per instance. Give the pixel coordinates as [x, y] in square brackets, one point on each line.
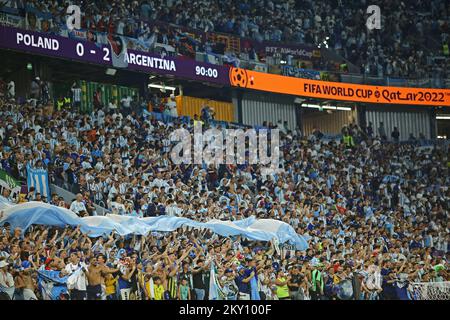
[337, 90]
[108, 55]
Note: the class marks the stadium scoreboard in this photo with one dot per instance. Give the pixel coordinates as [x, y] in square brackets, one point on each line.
[101, 54]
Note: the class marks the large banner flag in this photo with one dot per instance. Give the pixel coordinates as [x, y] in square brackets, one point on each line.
[5, 203]
[38, 178]
[26, 214]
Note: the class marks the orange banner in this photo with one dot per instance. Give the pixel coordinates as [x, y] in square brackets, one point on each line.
[338, 90]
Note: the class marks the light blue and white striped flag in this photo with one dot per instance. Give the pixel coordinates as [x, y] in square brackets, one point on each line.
[38, 178]
[51, 284]
[215, 291]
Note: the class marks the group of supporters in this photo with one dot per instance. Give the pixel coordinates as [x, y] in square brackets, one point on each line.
[376, 212]
[419, 29]
[179, 266]
[158, 267]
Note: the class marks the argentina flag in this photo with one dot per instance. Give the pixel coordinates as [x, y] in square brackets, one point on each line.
[38, 178]
[26, 214]
[215, 290]
[51, 284]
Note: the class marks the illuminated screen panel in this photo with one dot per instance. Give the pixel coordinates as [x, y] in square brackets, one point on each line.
[338, 90]
[113, 55]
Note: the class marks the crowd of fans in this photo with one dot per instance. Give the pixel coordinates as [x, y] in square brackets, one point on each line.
[376, 212]
[418, 31]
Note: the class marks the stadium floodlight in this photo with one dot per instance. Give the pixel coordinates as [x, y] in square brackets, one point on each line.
[111, 72]
[442, 117]
[308, 105]
[158, 86]
[299, 100]
[325, 107]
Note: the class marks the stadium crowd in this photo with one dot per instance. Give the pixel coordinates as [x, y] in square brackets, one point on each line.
[376, 211]
[418, 30]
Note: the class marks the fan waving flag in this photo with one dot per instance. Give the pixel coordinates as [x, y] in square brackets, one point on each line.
[51, 284]
[38, 178]
[118, 51]
[254, 292]
[215, 291]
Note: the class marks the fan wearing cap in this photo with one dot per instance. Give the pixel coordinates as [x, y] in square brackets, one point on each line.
[7, 286]
[243, 282]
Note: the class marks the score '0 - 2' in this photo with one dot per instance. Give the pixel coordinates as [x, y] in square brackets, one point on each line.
[80, 51]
